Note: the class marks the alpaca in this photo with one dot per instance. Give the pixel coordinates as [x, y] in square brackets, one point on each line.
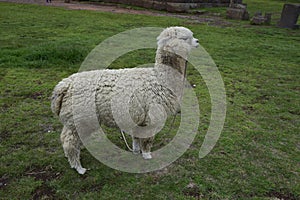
[153, 94]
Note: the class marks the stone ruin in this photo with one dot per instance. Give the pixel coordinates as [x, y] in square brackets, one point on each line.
[237, 11]
[259, 19]
[174, 5]
[289, 16]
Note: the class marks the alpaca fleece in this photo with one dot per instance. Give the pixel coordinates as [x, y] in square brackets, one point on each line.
[152, 94]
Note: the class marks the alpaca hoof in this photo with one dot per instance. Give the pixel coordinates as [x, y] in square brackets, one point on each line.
[81, 170]
[147, 156]
[136, 151]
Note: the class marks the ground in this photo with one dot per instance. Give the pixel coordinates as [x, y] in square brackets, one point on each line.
[256, 157]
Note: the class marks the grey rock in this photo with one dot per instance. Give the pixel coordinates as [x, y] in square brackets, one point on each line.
[289, 16]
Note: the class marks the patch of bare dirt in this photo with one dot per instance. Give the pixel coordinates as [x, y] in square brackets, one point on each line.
[4, 181]
[282, 195]
[43, 192]
[5, 134]
[43, 174]
[192, 190]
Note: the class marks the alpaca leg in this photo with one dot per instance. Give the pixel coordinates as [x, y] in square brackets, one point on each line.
[71, 146]
[136, 145]
[146, 144]
[63, 137]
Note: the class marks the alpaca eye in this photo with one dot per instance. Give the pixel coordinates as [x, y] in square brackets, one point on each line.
[184, 38]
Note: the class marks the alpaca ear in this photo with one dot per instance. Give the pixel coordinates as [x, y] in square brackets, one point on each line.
[164, 36]
[162, 41]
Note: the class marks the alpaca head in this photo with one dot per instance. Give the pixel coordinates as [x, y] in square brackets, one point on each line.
[178, 40]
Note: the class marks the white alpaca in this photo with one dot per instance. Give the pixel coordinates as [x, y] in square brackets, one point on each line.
[153, 93]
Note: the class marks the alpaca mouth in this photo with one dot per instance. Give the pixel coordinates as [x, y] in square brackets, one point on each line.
[196, 43]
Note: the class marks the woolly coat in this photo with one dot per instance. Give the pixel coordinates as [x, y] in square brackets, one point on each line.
[143, 87]
[144, 95]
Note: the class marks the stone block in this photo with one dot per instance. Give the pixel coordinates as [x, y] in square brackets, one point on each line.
[159, 5]
[175, 5]
[236, 13]
[268, 18]
[178, 7]
[289, 16]
[257, 20]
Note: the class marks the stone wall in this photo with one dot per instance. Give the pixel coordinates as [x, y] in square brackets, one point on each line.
[174, 5]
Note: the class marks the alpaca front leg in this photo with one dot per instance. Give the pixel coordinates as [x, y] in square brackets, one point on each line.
[146, 144]
[71, 146]
[136, 145]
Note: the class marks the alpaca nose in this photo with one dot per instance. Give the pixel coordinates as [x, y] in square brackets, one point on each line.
[196, 42]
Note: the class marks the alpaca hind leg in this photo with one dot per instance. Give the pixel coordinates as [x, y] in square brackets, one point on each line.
[63, 136]
[146, 144]
[71, 146]
[136, 145]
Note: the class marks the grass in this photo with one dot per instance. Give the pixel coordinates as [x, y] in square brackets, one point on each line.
[257, 156]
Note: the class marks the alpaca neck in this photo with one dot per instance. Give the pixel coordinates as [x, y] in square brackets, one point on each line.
[172, 71]
[166, 58]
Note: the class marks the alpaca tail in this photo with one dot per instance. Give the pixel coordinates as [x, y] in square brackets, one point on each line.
[58, 94]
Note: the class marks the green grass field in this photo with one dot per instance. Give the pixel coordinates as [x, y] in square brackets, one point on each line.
[256, 157]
